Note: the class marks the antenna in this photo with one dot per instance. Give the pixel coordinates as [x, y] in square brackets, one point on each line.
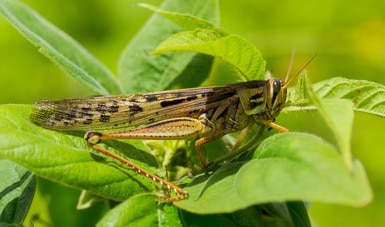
[290, 64]
[287, 82]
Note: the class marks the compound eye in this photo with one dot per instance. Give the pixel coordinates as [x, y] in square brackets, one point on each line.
[276, 86]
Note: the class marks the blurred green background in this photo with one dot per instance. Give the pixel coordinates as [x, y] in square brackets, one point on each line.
[349, 38]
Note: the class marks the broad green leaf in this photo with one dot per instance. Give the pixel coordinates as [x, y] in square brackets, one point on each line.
[337, 113]
[65, 158]
[60, 48]
[240, 53]
[186, 21]
[17, 187]
[285, 167]
[140, 210]
[367, 96]
[205, 38]
[140, 72]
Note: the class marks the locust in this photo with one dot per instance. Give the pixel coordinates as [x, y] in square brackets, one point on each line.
[201, 114]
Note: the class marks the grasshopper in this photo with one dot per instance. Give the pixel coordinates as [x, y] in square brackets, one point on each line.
[200, 114]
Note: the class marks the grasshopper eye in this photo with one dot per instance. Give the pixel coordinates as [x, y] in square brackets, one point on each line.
[276, 87]
[273, 90]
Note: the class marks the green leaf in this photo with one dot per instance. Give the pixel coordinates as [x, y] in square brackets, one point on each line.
[172, 69]
[278, 214]
[240, 53]
[140, 210]
[186, 21]
[337, 113]
[286, 167]
[60, 48]
[17, 187]
[298, 97]
[298, 214]
[59, 202]
[66, 158]
[367, 96]
[205, 38]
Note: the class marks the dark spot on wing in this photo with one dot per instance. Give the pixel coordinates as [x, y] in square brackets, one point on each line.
[167, 103]
[86, 109]
[171, 102]
[104, 118]
[113, 109]
[87, 121]
[150, 98]
[101, 107]
[58, 117]
[191, 98]
[134, 109]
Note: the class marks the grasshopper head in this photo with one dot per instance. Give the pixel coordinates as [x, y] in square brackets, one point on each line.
[276, 96]
[276, 91]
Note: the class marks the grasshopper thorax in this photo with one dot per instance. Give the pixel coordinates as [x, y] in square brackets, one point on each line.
[263, 99]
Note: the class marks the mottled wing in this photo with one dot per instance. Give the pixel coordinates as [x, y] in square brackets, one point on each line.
[106, 112]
